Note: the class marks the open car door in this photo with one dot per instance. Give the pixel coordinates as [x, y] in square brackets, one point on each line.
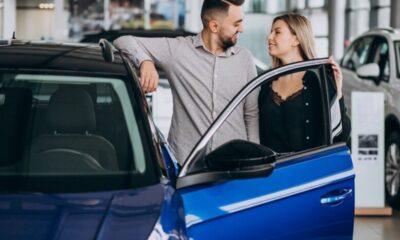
[243, 190]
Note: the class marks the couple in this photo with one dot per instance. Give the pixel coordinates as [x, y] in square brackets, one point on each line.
[205, 72]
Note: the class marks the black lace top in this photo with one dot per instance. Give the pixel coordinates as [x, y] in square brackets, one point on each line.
[293, 124]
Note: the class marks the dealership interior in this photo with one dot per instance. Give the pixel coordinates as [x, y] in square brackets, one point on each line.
[340, 27]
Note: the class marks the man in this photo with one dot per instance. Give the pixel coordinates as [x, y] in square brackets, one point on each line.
[205, 72]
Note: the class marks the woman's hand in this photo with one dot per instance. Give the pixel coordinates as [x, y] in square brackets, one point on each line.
[338, 77]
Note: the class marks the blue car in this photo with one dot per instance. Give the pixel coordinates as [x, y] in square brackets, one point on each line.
[80, 158]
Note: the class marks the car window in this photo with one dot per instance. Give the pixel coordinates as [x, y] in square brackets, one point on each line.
[397, 50]
[288, 123]
[380, 56]
[315, 103]
[69, 127]
[357, 54]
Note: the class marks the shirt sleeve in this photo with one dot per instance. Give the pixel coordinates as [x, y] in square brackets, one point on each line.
[158, 50]
[251, 111]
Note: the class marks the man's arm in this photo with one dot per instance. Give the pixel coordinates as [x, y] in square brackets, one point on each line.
[251, 111]
[144, 52]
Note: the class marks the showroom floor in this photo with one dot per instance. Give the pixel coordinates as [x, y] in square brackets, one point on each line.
[376, 228]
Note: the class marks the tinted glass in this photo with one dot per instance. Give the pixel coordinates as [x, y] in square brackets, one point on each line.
[397, 49]
[380, 56]
[290, 116]
[56, 128]
[357, 54]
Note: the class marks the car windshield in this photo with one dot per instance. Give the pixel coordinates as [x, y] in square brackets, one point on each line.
[61, 133]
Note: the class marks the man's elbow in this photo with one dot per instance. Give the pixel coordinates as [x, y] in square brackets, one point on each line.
[121, 42]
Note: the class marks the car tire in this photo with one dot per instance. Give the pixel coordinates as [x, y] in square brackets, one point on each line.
[392, 170]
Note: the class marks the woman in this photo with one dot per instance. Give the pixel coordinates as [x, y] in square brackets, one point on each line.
[290, 107]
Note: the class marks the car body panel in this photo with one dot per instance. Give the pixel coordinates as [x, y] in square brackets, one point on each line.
[59, 57]
[293, 190]
[101, 215]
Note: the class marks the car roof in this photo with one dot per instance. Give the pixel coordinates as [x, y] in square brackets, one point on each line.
[48, 56]
[113, 34]
[392, 34]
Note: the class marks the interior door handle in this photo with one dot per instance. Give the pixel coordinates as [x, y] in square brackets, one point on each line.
[336, 197]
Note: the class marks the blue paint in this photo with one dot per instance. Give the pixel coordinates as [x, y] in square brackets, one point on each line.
[298, 216]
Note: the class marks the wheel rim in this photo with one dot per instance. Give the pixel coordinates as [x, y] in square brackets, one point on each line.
[392, 169]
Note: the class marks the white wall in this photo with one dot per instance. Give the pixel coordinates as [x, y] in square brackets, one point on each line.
[1, 19]
[256, 27]
[36, 24]
[192, 18]
[9, 19]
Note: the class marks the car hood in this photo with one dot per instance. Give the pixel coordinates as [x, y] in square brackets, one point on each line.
[101, 215]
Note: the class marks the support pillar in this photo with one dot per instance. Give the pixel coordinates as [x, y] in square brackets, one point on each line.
[394, 14]
[9, 19]
[336, 12]
[57, 31]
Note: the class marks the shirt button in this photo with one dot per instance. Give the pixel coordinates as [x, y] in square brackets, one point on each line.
[305, 88]
[307, 121]
[308, 138]
[307, 104]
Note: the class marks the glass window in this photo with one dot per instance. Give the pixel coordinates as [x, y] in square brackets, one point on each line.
[357, 54]
[291, 118]
[266, 6]
[300, 4]
[316, 3]
[381, 57]
[60, 130]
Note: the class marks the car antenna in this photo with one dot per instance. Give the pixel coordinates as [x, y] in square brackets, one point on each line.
[13, 36]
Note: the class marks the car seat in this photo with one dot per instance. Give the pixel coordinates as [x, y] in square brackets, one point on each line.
[71, 119]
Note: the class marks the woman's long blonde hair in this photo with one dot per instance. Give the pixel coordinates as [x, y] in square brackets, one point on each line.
[299, 26]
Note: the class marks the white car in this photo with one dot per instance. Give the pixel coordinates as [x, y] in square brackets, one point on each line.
[371, 63]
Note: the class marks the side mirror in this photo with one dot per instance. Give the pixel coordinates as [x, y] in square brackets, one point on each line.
[237, 159]
[239, 155]
[107, 50]
[369, 71]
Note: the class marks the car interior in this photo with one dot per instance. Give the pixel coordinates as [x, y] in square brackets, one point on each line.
[62, 128]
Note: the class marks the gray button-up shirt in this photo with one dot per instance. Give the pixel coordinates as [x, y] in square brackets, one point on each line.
[202, 84]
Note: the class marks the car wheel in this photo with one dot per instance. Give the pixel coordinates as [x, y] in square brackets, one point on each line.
[392, 170]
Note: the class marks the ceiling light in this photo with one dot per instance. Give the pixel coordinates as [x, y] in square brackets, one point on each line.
[46, 6]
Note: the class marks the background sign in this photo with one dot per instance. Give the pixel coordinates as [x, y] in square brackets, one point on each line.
[367, 118]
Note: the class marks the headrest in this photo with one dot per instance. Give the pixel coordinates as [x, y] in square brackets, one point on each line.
[71, 110]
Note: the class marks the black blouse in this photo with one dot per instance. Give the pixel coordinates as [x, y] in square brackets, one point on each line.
[296, 123]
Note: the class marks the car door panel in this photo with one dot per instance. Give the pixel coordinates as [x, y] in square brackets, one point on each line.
[310, 194]
[290, 197]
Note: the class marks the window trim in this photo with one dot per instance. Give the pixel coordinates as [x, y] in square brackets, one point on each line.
[397, 57]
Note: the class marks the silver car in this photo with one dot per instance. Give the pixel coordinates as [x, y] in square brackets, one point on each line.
[371, 63]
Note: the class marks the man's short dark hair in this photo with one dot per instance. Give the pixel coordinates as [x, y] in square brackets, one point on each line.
[211, 8]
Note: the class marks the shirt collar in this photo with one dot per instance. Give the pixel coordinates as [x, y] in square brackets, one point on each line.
[198, 42]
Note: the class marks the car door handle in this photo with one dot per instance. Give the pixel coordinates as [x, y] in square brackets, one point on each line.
[336, 197]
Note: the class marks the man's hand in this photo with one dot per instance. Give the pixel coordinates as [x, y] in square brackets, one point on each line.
[148, 76]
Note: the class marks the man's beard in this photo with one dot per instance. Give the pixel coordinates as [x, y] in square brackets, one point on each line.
[228, 42]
